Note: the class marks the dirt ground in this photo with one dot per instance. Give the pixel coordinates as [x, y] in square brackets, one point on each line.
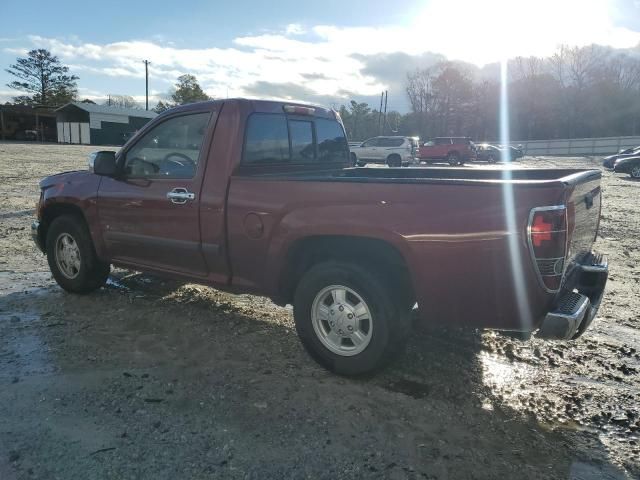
[150, 379]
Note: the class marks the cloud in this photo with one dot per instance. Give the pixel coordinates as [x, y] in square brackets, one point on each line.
[295, 29]
[329, 62]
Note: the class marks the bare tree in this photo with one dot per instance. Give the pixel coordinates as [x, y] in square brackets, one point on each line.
[122, 101]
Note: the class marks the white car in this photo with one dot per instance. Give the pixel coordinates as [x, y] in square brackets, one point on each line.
[394, 151]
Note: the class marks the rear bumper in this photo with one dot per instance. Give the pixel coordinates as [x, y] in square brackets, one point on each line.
[578, 304]
[35, 235]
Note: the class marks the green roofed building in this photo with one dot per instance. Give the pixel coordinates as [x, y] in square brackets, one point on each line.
[91, 124]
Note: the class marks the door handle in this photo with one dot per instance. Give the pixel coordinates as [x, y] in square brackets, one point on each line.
[180, 196]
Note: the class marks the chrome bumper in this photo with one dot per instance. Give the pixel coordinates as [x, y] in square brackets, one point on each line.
[35, 235]
[578, 305]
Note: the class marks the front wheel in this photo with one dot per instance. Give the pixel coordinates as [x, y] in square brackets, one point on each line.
[72, 257]
[635, 172]
[453, 159]
[348, 318]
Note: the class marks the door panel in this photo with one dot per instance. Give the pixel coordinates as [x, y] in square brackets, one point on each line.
[141, 225]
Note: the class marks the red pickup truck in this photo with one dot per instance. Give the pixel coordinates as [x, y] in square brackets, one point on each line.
[257, 196]
[453, 150]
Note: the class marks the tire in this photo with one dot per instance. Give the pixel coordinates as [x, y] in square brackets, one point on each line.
[491, 159]
[394, 161]
[453, 159]
[635, 172]
[72, 257]
[354, 159]
[384, 332]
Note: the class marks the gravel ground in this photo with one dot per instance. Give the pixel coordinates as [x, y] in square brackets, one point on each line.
[153, 379]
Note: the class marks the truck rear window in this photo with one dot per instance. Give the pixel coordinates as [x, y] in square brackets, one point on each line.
[276, 139]
[267, 140]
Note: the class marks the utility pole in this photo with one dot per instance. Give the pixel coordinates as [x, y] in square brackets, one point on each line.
[384, 124]
[380, 112]
[146, 84]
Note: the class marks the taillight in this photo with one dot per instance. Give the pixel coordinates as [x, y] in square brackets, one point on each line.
[547, 232]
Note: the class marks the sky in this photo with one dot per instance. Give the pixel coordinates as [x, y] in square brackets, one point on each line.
[321, 51]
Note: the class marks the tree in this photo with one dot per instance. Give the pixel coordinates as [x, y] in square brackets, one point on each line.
[47, 81]
[188, 90]
[123, 101]
[162, 106]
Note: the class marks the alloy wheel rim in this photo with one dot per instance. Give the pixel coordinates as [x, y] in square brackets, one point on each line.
[342, 320]
[67, 255]
[635, 172]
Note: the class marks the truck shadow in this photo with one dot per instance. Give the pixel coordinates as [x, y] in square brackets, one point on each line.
[431, 414]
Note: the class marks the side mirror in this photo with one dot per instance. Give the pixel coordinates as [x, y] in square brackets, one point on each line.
[103, 163]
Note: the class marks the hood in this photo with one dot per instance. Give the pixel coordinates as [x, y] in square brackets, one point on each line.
[75, 176]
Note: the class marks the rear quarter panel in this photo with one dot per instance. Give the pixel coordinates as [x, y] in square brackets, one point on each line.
[453, 237]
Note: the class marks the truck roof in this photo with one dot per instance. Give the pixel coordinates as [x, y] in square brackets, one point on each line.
[256, 105]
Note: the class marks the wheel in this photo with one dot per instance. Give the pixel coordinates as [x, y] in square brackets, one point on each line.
[354, 159]
[635, 171]
[491, 158]
[394, 160]
[72, 257]
[453, 159]
[349, 319]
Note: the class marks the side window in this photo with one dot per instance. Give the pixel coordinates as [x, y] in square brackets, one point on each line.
[267, 139]
[396, 142]
[371, 143]
[332, 144]
[274, 139]
[443, 141]
[169, 150]
[302, 146]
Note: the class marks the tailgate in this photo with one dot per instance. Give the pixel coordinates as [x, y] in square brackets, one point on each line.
[583, 209]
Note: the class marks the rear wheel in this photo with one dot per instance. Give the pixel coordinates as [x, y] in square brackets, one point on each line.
[635, 172]
[491, 158]
[72, 257]
[349, 319]
[394, 160]
[453, 159]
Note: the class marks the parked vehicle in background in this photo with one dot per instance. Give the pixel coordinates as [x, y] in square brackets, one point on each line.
[630, 165]
[394, 151]
[453, 150]
[610, 161]
[494, 153]
[516, 151]
[254, 196]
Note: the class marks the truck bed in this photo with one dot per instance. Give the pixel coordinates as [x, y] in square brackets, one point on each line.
[443, 175]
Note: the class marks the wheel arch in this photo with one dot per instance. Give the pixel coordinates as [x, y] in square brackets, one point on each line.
[54, 210]
[368, 252]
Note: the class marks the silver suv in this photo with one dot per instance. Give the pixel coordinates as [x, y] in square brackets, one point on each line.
[394, 151]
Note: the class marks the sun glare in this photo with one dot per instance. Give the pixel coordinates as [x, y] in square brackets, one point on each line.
[487, 31]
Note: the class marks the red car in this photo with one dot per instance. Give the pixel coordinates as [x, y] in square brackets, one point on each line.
[257, 196]
[453, 150]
